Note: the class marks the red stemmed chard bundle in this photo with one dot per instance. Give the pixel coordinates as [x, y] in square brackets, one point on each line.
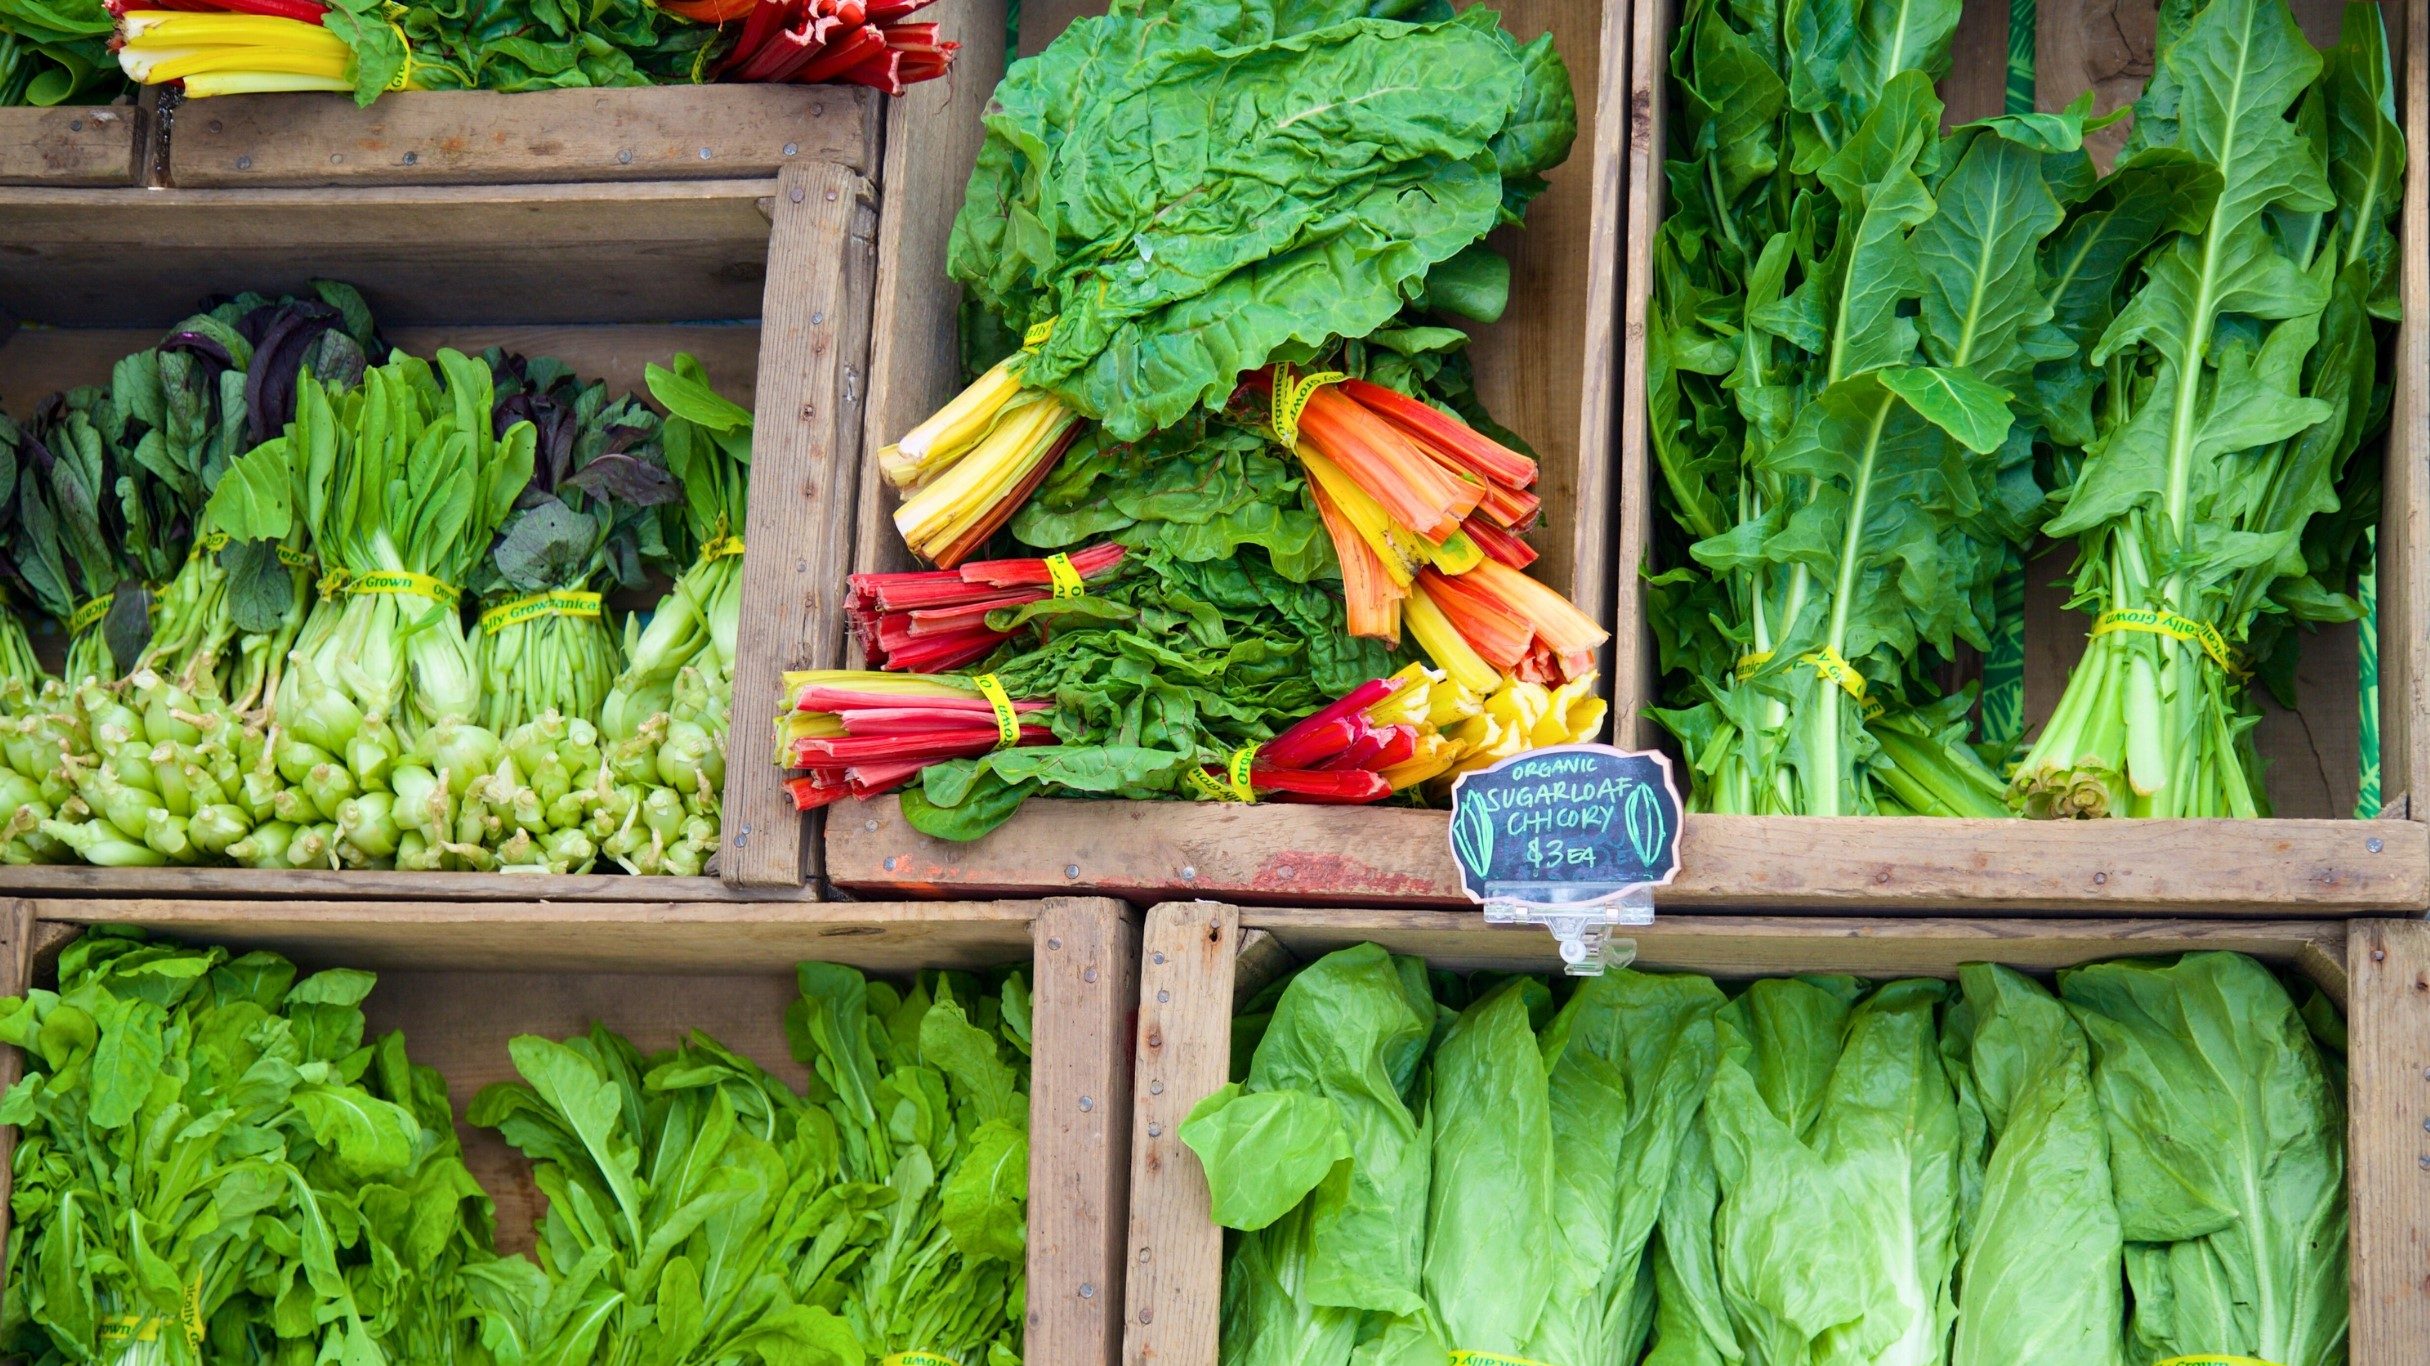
[802, 42]
[857, 734]
[935, 621]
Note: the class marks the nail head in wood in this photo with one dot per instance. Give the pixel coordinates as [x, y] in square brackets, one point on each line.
[2374, 844]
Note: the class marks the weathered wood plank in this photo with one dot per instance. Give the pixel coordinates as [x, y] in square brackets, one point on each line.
[1880, 865]
[806, 455]
[1087, 957]
[1635, 672]
[247, 884]
[1174, 1302]
[2388, 1150]
[455, 137]
[668, 251]
[85, 145]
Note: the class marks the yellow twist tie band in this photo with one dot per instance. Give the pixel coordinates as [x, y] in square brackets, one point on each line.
[533, 608]
[1493, 1359]
[2215, 1359]
[1037, 335]
[722, 547]
[1234, 786]
[212, 544]
[294, 559]
[918, 1359]
[118, 1328]
[92, 612]
[1827, 663]
[1291, 394]
[2153, 621]
[1008, 721]
[388, 583]
[1068, 583]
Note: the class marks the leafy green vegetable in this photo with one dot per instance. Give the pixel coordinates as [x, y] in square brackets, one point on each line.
[2243, 379]
[588, 522]
[55, 52]
[1170, 262]
[212, 1164]
[2227, 1150]
[2041, 1283]
[1850, 314]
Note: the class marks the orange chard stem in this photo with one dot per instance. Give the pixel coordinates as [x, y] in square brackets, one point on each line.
[1394, 470]
[1372, 599]
[1497, 543]
[1468, 448]
[1488, 624]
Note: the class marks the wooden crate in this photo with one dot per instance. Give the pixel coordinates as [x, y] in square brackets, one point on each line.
[463, 137]
[84, 145]
[461, 979]
[767, 279]
[1200, 957]
[1545, 371]
[2311, 859]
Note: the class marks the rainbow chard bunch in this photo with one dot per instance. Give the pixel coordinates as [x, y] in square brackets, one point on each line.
[588, 522]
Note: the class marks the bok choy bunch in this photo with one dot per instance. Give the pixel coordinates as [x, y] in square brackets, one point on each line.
[588, 522]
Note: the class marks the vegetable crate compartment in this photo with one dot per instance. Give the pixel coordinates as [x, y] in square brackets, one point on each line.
[1201, 957]
[765, 279]
[2308, 858]
[1545, 371]
[89, 145]
[462, 979]
[681, 132]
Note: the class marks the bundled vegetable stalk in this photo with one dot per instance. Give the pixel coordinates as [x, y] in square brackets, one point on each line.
[1802, 1170]
[366, 48]
[587, 522]
[2241, 364]
[923, 622]
[1851, 309]
[882, 1215]
[212, 1165]
[227, 382]
[862, 733]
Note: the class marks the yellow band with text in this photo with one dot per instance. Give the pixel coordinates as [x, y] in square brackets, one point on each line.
[1493, 1359]
[538, 605]
[2215, 1359]
[2158, 622]
[1234, 785]
[93, 611]
[350, 583]
[918, 1359]
[1068, 583]
[1008, 721]
[1037, 335]
[721, 547]
[1292, 391]
[1827, 663]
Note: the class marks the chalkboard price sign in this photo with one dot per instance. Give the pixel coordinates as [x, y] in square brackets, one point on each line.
[1573, 837]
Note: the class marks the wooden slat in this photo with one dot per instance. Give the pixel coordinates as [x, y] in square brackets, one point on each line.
[1766, 946]
[16, 976]
[1881, 865]
[814, 348]
[205, 884]
[674, 251]
[77, 146]
[455, 137]
[669, 936]
[915, 354]
[38, 361]
[1087, 957]
[1635, 671]
[1173, 1307]
[2388, 1144]
[2404, 537]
